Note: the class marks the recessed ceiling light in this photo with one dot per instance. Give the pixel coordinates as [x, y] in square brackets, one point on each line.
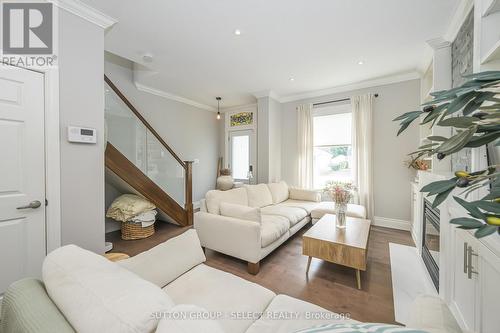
[147, 58]
[361, 62]
[237, 32]
[292, 79]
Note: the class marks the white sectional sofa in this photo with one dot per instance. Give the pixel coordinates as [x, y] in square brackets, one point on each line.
[250, 222]
[167, 289]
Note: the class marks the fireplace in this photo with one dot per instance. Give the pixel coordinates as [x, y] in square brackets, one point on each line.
[430, 241]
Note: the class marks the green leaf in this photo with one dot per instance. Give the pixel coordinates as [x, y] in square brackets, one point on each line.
[405, 115]
[436, 138]
[441, 197]
[486, 75]
[435, 113]
[481, 140]
[485, 230]
[471, 107]
[459, 122]
[457, 142]
[458, 103]
[472, 209]
[489, 206]
[467, 222]
[439, 186]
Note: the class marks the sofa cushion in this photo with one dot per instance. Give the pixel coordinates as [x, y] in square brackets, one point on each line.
[328, 207]
[293, 214]
[188, 318]
[236, 196]
[167, 261]
[240, 211]
[279, 191]
[304, 195]
[259, 195]
[218, 291]
[308, 206]
[94, 293]
[307, 315]
[359, 328]
[272, 228]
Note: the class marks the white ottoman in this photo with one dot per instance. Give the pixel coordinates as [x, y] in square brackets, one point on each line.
[328, 207]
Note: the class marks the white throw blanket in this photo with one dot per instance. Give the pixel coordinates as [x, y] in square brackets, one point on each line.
[146, 219]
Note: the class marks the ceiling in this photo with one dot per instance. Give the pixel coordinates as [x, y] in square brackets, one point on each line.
[318, 43]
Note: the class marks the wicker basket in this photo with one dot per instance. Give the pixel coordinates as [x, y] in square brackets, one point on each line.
[131, 231]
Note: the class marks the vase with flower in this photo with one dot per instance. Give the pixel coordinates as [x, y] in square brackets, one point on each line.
[341, 194]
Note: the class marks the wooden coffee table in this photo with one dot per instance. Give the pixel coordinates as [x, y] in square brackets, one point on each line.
[347, 247]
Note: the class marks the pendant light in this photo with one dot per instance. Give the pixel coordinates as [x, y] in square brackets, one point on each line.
[218, 107]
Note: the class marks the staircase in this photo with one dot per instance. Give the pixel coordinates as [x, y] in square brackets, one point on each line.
[138, 155]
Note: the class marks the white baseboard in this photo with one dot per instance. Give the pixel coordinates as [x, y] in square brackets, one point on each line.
[391, 223]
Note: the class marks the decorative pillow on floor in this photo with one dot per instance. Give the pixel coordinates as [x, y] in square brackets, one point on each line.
[359, 328]
[187, 318]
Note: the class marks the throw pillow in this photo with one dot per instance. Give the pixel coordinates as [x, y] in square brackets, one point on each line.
[240, 212]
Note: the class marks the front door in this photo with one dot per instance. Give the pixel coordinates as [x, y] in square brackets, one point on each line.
[241, 155]
[22, 174]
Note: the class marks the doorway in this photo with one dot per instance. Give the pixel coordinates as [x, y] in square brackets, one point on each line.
[242, 155]
[22, 174]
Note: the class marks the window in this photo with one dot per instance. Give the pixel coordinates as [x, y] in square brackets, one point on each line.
[332, 145]
[240, 154]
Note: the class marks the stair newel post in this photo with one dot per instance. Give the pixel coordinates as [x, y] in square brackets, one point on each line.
[189, 192]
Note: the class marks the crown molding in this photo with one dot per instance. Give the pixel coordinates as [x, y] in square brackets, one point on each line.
[438, 43]
[173, 97]
[354, 86]
[239, 107]
[86, 12]
[458, 19]
[267, 93]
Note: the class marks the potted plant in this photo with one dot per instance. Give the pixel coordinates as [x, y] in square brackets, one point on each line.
[473, 109]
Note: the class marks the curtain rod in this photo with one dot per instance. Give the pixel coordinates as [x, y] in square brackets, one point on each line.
[337, 100]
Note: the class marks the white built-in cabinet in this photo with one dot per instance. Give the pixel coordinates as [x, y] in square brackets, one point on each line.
[475, 289]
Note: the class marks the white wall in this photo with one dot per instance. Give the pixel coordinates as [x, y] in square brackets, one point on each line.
[81, 103]
[268, 140]
[191, 132]
[392, 177]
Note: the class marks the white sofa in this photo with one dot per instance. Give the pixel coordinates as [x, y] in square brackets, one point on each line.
[170, 290]
[274, 212]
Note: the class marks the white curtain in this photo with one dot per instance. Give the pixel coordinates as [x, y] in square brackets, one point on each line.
[362, 149]
[305, 145]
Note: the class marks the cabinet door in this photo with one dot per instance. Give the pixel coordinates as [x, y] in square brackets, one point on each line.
[464, 287]
[489, 291]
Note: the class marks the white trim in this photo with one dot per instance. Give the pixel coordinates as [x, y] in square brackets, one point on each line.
[354, 86]
[173, 97]
[86, 12]
[252, 106]
[52, 160]
[267, 93]
[461, 13]
[391, 223]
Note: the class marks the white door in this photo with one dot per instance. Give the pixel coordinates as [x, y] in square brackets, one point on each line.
[22, 175]
[241, 155]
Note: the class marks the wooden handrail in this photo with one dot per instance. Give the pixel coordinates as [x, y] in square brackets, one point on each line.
[144, 121]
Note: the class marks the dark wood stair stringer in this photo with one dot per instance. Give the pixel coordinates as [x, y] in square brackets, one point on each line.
[132, 175]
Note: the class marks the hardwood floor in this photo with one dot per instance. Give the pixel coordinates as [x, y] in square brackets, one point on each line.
[283, 271]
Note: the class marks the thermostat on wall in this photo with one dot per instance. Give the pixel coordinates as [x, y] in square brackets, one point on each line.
[82, 134]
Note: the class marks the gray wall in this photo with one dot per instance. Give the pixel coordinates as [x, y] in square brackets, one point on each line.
[268, 140]
[81, 103]
[392, 177]
[191, 132]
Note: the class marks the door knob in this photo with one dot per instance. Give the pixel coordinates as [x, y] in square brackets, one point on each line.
[33, 205]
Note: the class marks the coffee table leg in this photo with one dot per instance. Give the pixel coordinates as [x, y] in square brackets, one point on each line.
[308, 264]
[358, 278]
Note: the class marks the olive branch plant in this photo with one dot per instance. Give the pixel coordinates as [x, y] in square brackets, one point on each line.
[473, 109]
